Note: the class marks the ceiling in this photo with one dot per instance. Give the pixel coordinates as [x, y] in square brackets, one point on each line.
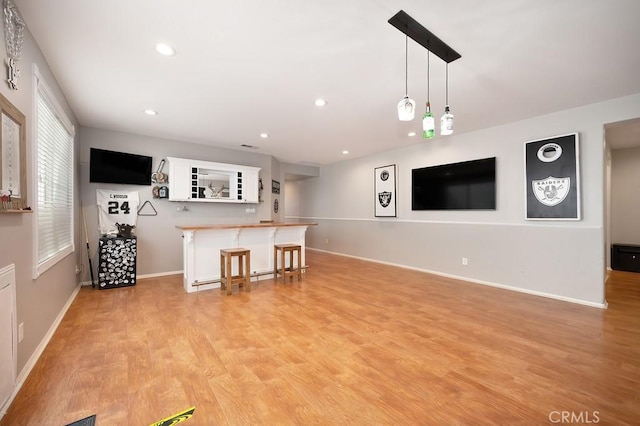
[247, 67]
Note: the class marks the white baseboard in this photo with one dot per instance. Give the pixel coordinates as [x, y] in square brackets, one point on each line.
[475, 281]
[22, 376]
[139, 277]
[160, 274]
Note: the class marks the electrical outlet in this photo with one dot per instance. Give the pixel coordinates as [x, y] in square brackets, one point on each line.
[78, 269]
[326, 241]
[20, 332]
[465, 261]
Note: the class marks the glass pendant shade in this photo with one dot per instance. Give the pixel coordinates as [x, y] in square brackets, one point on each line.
[406, 106]
[428, 123]
[406, 109]
[446, 122]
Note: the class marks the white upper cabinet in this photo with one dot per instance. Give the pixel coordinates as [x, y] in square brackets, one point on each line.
[250, 189]
[195, 180]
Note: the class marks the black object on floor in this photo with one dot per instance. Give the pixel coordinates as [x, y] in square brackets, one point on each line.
[87, 421]
[625, 257]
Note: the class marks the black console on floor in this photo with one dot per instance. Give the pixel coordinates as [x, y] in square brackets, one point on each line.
[625, 257]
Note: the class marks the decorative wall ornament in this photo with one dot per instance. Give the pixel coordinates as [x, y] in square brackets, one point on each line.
[150, 211]
[13, 37]
[275, 187]
[385, 191]
[552, 178]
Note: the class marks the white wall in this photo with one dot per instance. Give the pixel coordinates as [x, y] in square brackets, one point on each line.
[563, 259]
[607, 204]
[292, 198]
[271, 197]
[625, 196]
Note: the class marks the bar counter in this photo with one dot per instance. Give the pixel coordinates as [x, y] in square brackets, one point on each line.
[202, 243]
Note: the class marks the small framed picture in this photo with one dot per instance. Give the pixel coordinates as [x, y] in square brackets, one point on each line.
[13, 163]
[275, 187]
[385, 191]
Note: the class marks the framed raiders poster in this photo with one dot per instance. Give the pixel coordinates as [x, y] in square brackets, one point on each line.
[552, 178]
[385, 191]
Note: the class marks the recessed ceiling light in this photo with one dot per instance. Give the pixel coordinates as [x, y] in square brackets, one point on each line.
[320, 102]
[165, 49]
[264, 135]
[345, 152]
[150, 112]
[412, 134]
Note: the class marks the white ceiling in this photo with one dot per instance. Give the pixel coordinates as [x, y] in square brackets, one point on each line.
[246, 67]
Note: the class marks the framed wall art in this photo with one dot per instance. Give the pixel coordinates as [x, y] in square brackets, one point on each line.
[385, 193]
[552, 178]
[13, 164]
[275, 187]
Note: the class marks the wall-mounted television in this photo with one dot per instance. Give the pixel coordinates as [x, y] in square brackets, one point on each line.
[119, 167]
[469, 185]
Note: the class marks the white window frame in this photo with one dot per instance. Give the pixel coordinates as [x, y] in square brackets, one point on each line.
[40, 87]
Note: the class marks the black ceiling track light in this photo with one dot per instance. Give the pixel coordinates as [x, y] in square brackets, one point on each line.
[423, 36]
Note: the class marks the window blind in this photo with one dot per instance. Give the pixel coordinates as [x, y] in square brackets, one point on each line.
[54, 164]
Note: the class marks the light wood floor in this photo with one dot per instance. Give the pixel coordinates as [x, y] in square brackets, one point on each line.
[354, 343]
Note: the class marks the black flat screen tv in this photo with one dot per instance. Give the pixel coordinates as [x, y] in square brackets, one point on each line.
[119, 167]
[469, 185]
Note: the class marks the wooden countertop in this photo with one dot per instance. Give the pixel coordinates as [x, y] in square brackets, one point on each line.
[243, 225]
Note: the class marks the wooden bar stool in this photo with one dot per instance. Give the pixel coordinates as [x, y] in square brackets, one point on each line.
[227, 279]
[284, 271]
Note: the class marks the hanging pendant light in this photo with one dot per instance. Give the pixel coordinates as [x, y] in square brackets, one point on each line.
[406, 106]
[446, 121]
[428, 123]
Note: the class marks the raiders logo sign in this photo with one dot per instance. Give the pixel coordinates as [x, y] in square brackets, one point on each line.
[552, 178]
[551, 191]
[384, 198]
[385, 191]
